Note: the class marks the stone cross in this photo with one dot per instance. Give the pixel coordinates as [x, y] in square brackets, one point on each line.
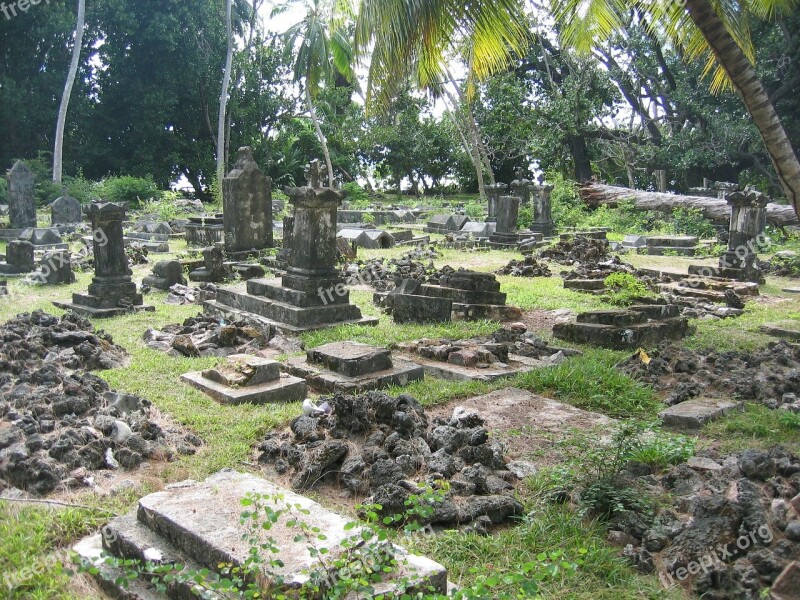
[313, 173]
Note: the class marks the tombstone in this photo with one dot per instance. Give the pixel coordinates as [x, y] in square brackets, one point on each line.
[543, 211]
[65, 210]
[166, 273]
[312, 293]
[246, 379]
[747, 226]
[367, 238]
[44, 238]
[19, 258]
[205, 231]
[247, 205]
[112, 291]
[55, 268]
[493, 193]
[213, 269]
[352, 367]
[478, 229]
[521, 188]
[21, 196]
[506, 234]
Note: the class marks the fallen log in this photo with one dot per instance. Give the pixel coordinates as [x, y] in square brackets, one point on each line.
[596, 194]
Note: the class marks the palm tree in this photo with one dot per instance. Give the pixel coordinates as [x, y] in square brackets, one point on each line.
[715, 29]
[58, 162]
[411, 38]
[319, 49]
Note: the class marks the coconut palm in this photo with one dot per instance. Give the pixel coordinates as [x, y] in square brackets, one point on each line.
[319, 50]
[411, 38]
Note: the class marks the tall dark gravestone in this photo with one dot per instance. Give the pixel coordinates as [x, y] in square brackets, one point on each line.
[493, 193]
[112, 291]
[21, 196]
[247, 205]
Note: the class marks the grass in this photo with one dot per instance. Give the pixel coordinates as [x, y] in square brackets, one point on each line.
[755, 426]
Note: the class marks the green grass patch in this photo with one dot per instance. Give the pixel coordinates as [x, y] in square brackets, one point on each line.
[757, 426]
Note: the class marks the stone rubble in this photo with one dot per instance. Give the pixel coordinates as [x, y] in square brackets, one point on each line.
[206, 336]
[770, 376]
[579, 249]
[528, 266]
[385, 446]
[58, 422]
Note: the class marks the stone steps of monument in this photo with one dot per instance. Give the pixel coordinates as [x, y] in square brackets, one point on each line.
[720, 284]
[283, 312]
[272, 289]
[586, 285]
[617, 318]
[462, 296]
[640, 335]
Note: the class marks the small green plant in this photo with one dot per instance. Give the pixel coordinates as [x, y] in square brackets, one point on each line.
[356, 196]
[133, 190]
[3, 191]
[624, 289]
[790, 420]
[368, 218]
[525, 217]
[474, 210]
[164, 207]
[690, 221]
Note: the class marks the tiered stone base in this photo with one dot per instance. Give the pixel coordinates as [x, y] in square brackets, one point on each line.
[682, 245]
[711, 289]
[198, 525]
[512, 240]
[353, 367]
[297, 306]
[643, 326]
[107, 297]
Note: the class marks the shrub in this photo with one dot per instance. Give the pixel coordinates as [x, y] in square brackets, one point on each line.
[690, 221]
[624, 289]
[3, 191]
[133, 190]
[368, 218]
[474, 210]
[525, 217]
[164, 206]
[356, 196]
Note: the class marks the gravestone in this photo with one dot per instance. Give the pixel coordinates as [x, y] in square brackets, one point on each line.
[282, 258]
[166, 273]
[245, 379]
[543, 210]
[44, 238]
[112, 291]
[506, 234]
[521, 188]
[367, 238]
[55, 268]
[19, 258]
[21, 196]
[312, 294]
[247, 205]
[65, 210]
[213, 269]
[478, 229]
[205, 230]
[352, 367]
[493, 192]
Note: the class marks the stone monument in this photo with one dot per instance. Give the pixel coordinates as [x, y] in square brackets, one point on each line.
[112, 291]
[166, 273]
[521, 188]
[21, 196]
[493, 193]
[55, 268]
[65, 210]
[19, 258]
[312, 293]
[543, 211]
[247, 205]
[506, 234]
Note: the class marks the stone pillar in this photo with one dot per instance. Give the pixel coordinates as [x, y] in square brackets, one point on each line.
[312, 259]
[543, 210]
[247, 205]
[21, 196]
[112, 290]
[493, 197]
[521, 188]
[748, 222]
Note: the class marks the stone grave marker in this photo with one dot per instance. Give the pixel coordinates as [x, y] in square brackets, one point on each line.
[166, 273]
[19, 258]
[247, 205]
[65, 210]
[21, 196]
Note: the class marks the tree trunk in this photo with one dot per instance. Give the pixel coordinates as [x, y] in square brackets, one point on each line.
[580, 154]
[472, 145]
[223, 95]
[595, 194]
[58, 156]
[320, 136]
[745, 80]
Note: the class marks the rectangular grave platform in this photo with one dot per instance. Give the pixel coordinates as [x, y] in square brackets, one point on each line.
[693, 414]
[353, 367]
[443, 370]
[246, 379]
[788, 330]
[198, 525]
[681, 245]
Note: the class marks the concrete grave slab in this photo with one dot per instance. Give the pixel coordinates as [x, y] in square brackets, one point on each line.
[451, 372]
[789, 330]
[199, 525]
[695, 413]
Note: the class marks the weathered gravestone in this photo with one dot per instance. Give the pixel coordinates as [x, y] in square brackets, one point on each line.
[493, 193]
[166, 273]
[21, 196]
[112, 291]
[213, 269]
[312, 294]
[55, 268]
[19, 258]
[543, 210]
[247, 205]
[65, 210]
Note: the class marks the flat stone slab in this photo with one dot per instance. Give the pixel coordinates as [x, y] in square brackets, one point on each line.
[791, 290]
[695, 413]
[787, 585]
[400, 374]
[789, 330]
[202, 520]
[351, 358]
[102, 313]
[443, 370]
[284, 389]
